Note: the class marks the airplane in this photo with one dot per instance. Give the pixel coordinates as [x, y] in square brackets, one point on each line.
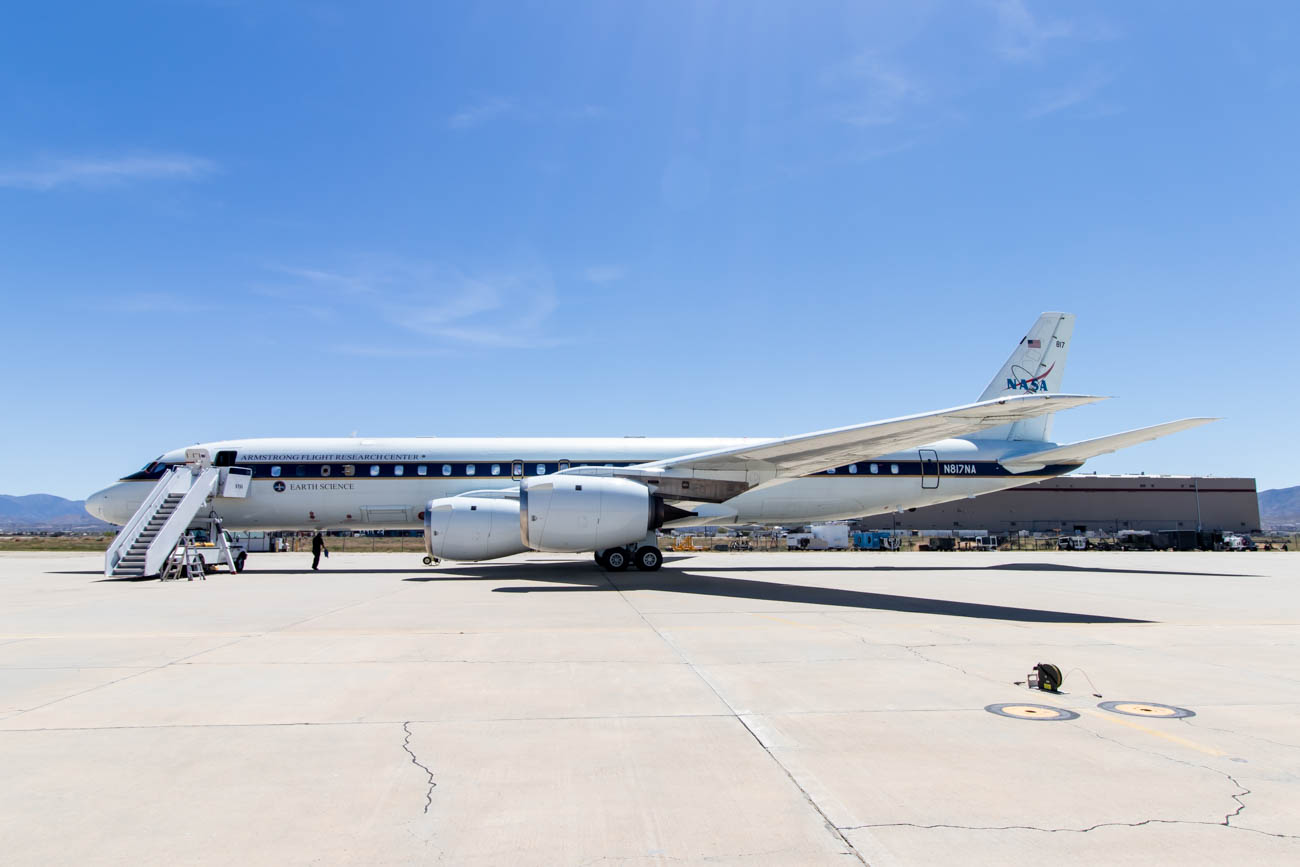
[485, 498]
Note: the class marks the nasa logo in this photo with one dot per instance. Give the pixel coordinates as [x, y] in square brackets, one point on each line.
[279, 487]
[1020, 380]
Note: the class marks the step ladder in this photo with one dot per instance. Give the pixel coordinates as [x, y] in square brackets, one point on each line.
[145, 543]
[189, 564]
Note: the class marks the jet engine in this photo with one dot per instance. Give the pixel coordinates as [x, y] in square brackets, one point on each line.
[588, 513]
[472, 528]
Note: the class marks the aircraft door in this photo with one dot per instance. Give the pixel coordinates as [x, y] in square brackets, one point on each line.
[929, 468]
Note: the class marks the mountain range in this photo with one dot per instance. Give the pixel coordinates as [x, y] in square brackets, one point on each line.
[46, 512]
[1280, 507]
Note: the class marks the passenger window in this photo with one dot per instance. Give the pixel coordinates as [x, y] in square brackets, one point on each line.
[470, 469]
[564, 465]
[446, 469]
[422, 470]
[517, 469]
[831, 471]
[541, 469]
[496, 469]
[349, 470]
[275, 472]
[853, 469]
[875, 468]
[893, 468]
[374, 469]
[324, 471]
[399, 470]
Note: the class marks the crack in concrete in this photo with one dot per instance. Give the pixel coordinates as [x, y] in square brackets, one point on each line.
[849, 848]
[1227, 818]
[406, 745]
[912, 649]
[1139, 824]
[1200, 725]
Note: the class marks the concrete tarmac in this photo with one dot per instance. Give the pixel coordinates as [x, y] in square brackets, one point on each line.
[802, 708]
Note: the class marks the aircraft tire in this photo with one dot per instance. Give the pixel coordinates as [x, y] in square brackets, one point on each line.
[428, 561]
[617, 559]
[648, 558]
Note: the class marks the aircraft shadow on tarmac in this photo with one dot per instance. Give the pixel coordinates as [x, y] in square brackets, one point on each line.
[1011, 567]
[576, 579]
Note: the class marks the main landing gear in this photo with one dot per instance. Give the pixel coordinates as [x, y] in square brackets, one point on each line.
[646, 558]
[431, 561]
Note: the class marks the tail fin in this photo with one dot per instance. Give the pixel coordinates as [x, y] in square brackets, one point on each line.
[1037, 366]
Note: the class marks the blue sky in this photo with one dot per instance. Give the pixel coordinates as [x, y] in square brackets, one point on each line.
[226, 219]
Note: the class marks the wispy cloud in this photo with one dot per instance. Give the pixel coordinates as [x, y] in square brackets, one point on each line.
[500, 108]
[417, 308]
[875, 91]
[1071, 96]
[168, 303]
[587, 111]
[604, 273]
[1021, 35]
[52, 172]
[369, 351]
[480, 113]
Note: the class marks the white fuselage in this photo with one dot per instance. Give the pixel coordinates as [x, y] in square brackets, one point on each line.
[385, 483]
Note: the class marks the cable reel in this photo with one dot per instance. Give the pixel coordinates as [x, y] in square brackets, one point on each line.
[1046, 677]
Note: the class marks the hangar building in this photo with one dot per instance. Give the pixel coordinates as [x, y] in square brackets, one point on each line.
[1080, 503]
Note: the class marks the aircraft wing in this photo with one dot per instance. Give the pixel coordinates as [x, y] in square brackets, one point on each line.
[1079, 452]
[813, 452]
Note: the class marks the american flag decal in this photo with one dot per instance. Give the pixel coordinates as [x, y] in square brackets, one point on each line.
[1035, 344]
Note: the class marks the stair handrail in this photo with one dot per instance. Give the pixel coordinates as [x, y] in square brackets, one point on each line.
[219, 535]
[132, 529]
[170, 532]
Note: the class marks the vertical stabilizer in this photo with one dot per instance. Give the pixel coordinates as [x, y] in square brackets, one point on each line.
[1036, 367]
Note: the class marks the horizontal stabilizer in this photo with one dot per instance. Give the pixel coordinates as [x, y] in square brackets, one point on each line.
[1077, 453]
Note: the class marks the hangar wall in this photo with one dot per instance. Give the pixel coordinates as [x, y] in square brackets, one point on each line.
[1093, 502]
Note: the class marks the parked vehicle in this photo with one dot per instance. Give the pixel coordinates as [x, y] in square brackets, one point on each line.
[210, 552]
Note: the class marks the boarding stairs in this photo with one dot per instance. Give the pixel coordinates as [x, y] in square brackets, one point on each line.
[145, 544]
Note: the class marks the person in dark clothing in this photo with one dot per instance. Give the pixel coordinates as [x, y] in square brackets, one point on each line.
[317, 545]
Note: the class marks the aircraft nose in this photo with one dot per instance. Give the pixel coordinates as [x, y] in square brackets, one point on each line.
[97, 502]
[107, 504]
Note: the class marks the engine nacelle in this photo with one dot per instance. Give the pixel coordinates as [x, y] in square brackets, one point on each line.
[472, 528]
[588, 513]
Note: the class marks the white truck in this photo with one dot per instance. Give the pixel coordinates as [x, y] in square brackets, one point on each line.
[836, 536]
[210, 552]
